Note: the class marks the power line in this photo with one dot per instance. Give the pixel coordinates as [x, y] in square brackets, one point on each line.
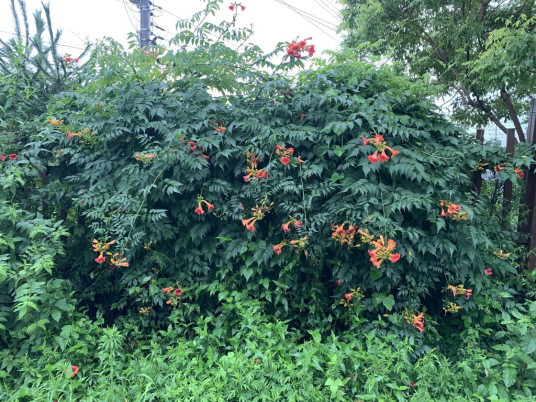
[303, 16]
[128, 15]
[322, 4]
[317, 19]
[60, 44]
[330, 5]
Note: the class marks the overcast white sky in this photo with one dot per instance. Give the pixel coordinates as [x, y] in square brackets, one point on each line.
[272, 20]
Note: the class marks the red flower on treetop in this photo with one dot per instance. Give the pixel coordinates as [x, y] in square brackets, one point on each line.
[285, 227]
[199, 210]
[231, 7]
[348, 296]
[488, 271]
[519, 172]
[167, 290]
[178, 292]
[12, 157]
[277, 248]
[298, 224]
[285, 161]
[2, 158]
[100, 259]
[297, 48]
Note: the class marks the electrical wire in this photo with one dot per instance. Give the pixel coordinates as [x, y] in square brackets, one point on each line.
[305, 15]
[322, 4]
[317, 19]
[307, 19]
[60, 44]
[331, 6]
[128, 14]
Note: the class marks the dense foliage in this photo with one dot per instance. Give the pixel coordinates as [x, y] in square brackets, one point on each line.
[201, 224]
[480, 52]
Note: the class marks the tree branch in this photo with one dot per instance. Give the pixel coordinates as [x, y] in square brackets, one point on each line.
[513, 115]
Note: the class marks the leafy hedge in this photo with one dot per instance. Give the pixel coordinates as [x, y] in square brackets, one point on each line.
[160, 189]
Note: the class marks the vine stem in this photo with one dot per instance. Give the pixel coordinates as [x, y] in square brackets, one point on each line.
[303, 199]
[383, 207]
[145, 199]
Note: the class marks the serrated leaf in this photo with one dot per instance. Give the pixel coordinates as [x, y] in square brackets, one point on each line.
[509, 376]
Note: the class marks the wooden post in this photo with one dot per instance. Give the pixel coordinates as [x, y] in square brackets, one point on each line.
[477, 178]
[507, 195]
[530, 193]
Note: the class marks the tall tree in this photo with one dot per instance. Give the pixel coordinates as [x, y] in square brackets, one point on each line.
[480, 51]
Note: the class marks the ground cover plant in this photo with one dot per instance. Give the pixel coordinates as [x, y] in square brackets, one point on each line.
[203, 224]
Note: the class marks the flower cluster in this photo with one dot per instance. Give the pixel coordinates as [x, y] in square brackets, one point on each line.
[296, 48]
[11, 157]
[519, 173]
[258, 215]
[219, 126]
[252, 170]
[294, 222]
[285, 154]
[480, 166]
[416, 321]
[460, 290]
[175, 295]
[299, 245]
[379, 142]
[348, 297]
[501, 254]
[451, 307]
[87, 137]
[144, 158]
[194, 147]
[232, 6]
[488, 271]
[383, 251]
[199, 210]
[68, 59]
[145, 310]
[452, 211]
[56, 122]
[342, 235]
[115, 259]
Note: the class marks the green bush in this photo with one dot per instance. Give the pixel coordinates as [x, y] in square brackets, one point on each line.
[125, 249]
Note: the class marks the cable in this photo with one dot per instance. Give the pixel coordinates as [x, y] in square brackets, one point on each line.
[295, 10]
[322, 4]
[128, 15]
[332, 6]
[60, 44]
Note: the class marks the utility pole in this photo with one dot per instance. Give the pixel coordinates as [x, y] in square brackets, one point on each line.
[145, 23]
